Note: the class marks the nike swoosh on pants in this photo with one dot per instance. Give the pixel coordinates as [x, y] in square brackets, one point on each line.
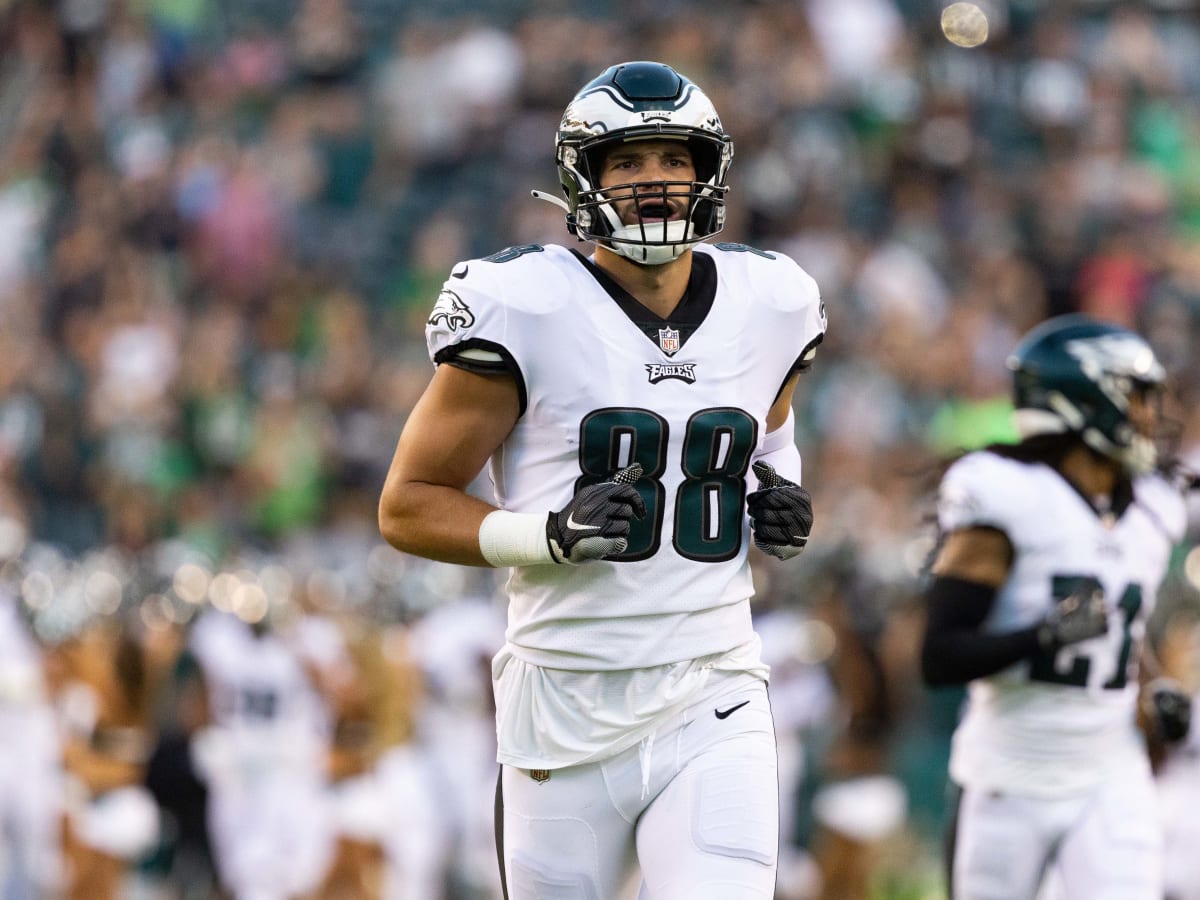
[726, 713]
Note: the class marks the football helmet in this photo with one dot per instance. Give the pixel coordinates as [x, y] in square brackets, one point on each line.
[637, 101]
[1076, 374]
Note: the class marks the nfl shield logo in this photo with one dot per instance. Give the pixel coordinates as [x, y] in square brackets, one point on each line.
[668, 339]
[541, 776]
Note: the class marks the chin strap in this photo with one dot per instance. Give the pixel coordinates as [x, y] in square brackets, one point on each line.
[645, 254]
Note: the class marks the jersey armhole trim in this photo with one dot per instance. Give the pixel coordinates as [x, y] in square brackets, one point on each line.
[457, 355]
[802, 363]
[804, 360]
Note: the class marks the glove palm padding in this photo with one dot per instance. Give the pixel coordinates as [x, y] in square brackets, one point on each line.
[595, 524]
[781, 514]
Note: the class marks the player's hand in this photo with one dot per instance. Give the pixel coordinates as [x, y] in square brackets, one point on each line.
[781, 513]
[595, 524]
[1078, 617]
[1167, 708]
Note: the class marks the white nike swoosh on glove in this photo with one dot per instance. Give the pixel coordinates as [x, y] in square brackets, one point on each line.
[575, 526]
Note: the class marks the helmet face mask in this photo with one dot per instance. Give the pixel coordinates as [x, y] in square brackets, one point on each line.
[632, 102]
[1075, 374]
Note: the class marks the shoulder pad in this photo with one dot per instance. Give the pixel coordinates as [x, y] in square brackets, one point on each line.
[983, 489]
[1164, 502]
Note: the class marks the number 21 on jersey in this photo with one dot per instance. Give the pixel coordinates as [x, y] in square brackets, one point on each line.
[1044, 666]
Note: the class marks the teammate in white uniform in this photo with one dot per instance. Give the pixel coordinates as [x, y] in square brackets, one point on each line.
[1053, 551]
[629, 394]
[263, 758]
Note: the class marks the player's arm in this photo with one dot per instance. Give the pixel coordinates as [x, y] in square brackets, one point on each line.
[781, 409]
[780, 511]
[970, 567]
[460, 420]
[1164, 707]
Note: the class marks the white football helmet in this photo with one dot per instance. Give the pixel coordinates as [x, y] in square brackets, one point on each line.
[632, 101]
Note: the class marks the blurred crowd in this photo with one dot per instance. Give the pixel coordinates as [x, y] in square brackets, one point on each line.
[222, 225]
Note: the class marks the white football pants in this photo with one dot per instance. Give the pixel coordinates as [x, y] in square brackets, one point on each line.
[694, 811]
[1106, 845]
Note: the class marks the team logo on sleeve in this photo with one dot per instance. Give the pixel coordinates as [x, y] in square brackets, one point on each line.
[685, 372]
[959, 503]
[668, 340]
[451, 309]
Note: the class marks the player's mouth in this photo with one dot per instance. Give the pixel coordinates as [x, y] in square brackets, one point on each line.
[658, 211]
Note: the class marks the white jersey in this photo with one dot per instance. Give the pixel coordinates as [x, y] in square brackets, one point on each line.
[605, 383]
[1059, 723]
[254, 683]
[263, 760]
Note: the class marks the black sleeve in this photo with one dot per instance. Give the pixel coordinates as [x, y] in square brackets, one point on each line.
[954, 650]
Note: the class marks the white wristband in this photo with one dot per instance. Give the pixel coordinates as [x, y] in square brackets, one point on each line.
[780, 450]
[514, 539]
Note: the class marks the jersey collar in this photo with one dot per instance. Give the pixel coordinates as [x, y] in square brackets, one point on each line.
[685, 318]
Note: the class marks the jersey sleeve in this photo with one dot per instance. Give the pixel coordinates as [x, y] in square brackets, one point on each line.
[815, 321]
[791, 293]
[785, 296]
[976, 491]
[466, 315]
[1165, 505]
[469, 325]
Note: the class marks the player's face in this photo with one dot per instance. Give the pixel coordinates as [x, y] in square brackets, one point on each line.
[1145, 402]
[651, 180]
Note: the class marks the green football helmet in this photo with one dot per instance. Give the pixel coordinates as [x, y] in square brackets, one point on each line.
[1073, 373]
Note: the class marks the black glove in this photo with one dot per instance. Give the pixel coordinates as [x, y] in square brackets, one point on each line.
[1168, 709]
[595, 524]
[781, 514]
[1077, 617]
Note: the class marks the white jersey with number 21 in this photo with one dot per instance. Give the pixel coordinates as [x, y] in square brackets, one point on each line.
[1060, 722]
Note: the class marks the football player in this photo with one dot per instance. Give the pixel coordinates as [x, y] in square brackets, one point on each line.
[1053, 549]
[262, 757]
[634, 404]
